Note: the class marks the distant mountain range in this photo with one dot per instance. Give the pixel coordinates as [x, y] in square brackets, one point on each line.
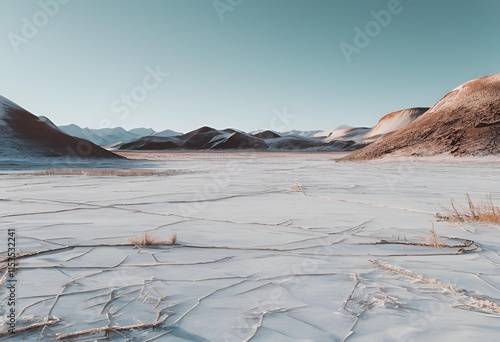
[205, 138]
[343, 138]
[113, 136]
[465, 122]
[24, 135]
[110, 137]
[208, 138]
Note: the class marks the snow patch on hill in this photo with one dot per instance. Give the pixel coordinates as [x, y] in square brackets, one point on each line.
[166, 133]
[350, 133]
[395, 121]
[466, 121]
[4, 105]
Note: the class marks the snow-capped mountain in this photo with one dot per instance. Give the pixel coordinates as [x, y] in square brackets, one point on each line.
[165, 133]
[113, 136]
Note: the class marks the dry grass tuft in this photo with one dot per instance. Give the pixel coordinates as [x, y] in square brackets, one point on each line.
[98, 173]
[485, 211]
[146, 240]
[297, 187]
[432, 239]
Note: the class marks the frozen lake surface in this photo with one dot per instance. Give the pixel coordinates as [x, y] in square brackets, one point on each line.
[270, 247]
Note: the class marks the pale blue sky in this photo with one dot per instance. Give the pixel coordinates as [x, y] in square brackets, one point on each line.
[264, 55]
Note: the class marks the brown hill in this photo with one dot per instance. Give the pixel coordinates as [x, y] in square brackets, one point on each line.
[464, 122]
[22, 134]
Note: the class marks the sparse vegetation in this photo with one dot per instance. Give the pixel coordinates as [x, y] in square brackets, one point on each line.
[146, 240]
[173, 239]
[485, 211]
[107, 328]
[468, 298]
[432, 239]
[297, 187]
[47, 321]
[98, 173]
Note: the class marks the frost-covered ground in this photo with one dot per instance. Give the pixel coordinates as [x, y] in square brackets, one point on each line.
[270, 247]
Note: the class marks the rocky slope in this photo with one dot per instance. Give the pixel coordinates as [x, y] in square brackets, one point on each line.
[466, 121]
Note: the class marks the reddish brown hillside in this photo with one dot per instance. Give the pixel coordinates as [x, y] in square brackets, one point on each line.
[22, 134]
[465, 122]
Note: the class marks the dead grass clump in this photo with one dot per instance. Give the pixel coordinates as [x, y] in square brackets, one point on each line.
[146, 240]
[432, 239]
[485, 211]
[98, 173]
[297, 187]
